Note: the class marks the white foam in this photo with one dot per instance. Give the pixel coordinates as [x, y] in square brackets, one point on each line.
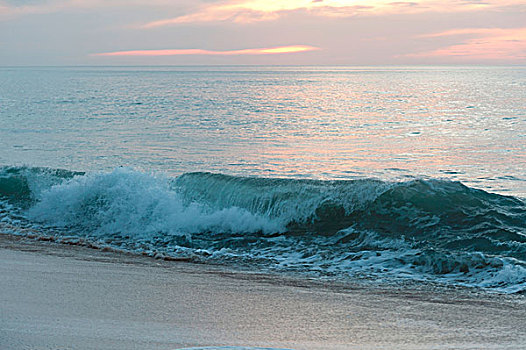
[133, 203]
[218, 218]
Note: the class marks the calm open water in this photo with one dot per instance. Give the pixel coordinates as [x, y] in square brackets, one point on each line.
[466, 124]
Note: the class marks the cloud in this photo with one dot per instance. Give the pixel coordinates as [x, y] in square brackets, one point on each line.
[177, 52]
[246, 11]
[14, 8]
[483, 44]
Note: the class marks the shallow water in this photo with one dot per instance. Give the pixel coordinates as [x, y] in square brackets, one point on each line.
[379, 173]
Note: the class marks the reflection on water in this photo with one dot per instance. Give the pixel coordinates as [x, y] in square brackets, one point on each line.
[465, 124]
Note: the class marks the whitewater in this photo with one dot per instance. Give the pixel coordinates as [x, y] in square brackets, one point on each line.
[382, 175]
[427, 230]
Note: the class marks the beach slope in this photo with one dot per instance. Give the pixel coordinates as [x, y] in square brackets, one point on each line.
[56, 296]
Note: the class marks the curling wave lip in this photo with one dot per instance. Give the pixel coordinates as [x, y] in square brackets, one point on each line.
[421, 230]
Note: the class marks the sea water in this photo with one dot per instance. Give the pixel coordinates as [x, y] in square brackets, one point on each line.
[379, 173]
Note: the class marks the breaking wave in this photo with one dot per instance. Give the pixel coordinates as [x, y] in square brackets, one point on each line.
[432, 230]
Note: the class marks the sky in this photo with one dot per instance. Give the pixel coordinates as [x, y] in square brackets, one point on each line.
[288, 32]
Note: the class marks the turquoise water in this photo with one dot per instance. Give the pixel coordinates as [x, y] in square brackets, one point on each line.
[387, 174]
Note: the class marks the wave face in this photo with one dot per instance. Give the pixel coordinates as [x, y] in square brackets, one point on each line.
[429, 230]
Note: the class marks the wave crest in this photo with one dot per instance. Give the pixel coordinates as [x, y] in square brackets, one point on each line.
[419, 229]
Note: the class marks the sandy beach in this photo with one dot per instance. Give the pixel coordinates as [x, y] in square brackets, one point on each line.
[68, 297]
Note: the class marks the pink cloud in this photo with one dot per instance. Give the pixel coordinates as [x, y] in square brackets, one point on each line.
[176, 52]
[493, 44]
[246, 11]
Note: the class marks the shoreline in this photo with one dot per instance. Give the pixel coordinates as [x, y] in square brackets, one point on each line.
[67, 296]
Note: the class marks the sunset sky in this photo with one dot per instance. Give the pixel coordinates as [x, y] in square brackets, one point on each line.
[327, 32]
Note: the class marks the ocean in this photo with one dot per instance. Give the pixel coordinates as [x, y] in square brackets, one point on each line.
[386, 175]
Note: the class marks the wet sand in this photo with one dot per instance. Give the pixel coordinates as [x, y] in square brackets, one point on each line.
[55, 296]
